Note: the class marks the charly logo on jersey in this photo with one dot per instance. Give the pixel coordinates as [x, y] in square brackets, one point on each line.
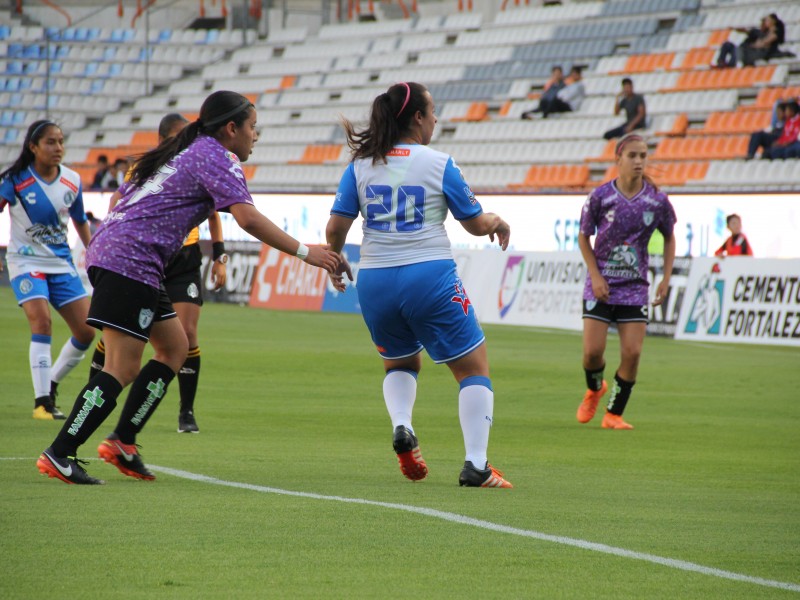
[706, 313]
[30, 198]
[647, 217]
[610, 215]
[622, 262]
[510, 284]
[145, 318]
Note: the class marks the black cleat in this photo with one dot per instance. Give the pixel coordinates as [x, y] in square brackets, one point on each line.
[489, 477]
[187, 423]
[46, 410]
[68, 470]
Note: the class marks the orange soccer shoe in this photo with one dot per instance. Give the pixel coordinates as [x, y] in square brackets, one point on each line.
[125, 457]
[406, 446]
[488, 477]
[589, 405]
[612, 421]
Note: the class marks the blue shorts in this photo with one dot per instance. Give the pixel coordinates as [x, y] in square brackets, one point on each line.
[58, 288]
[418, 306]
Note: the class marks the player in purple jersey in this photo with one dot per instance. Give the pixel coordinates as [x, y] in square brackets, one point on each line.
[410, 293]
[174, 188]
[623, 214]
[43, 196]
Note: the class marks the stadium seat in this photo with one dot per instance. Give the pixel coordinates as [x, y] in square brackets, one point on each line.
[725, 123]
[554, 176]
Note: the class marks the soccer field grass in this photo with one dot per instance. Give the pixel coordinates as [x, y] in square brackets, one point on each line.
[292, 490]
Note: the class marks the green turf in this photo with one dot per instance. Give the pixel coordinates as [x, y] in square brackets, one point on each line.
[293, 401]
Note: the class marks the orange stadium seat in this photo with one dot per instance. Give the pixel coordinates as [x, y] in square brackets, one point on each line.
[554, 176]
[767, 97]
[607, 155]
[718, 37]
[679, 127]
[723, 78]
[698, 57]
[644, 63]
[726, 123]
[702, 148]
[148, 139]
[670, 174]
[477, 111]
[316, 154]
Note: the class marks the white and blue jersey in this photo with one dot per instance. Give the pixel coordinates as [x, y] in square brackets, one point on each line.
[40, 212]
[404, 204]
[408, 287]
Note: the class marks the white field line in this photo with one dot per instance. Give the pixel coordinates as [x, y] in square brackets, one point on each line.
[461, 519]
[681, 565]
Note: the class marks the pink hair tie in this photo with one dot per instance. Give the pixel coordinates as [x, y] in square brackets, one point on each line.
[408, 97]
[624, 141]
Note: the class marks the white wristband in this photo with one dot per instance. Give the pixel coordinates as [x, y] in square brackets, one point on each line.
[302, 251]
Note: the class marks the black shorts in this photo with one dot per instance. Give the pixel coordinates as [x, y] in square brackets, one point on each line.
[611, 313]
[126, 305]
[182, 276]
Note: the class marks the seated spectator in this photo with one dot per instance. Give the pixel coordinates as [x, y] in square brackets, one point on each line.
[121, 167]
[635, 111]
[787, 145]
[736, 244]
[101, 175]
[551, 89]
[765, 137]
[760, 44]
[569, 98]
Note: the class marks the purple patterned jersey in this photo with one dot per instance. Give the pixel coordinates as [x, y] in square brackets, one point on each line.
[148, 225]
[623, 228]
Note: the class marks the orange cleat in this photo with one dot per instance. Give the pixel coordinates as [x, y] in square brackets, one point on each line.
[612, 421]
[125, 457]
[489, 477]
[406, 446]
[589, 405]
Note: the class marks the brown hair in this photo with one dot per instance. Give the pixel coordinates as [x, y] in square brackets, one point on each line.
[390, 117]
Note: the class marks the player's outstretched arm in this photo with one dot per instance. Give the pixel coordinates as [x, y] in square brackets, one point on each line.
[489, 224]
[336, 234]
[259, 226]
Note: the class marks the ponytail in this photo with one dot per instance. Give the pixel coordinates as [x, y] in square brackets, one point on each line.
[219, 109]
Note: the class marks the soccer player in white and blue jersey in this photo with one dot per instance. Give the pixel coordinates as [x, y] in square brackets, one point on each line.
[410, 294]
[43, 196]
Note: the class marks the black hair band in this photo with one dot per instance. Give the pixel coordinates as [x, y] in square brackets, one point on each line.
[220, 119]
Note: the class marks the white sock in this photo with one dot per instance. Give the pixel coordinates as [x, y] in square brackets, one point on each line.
[399, 393]
[475, 408]
[39, 354]
[71, 354]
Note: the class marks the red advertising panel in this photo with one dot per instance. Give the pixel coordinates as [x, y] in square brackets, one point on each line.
[287, 283]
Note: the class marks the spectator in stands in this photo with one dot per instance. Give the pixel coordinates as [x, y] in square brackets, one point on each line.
[42, 196]
[569, 98]
[173, 189]
[551, 88]
[410, 293]
[760, 44]
[622, 214]
[788, 144]
[765, 137]
[101, 175]
[120, 170]
[736, 244]
[635, 111]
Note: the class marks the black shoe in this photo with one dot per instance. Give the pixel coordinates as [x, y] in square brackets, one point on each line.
[187, 423]
[125, 457]
[489, 477]
[408, 453]
[68, 470]
[45, 410]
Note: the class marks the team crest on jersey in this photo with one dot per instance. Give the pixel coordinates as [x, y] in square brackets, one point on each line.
[192, 291]
[647, 217]
[25, 286]
[232, 157]
[590, 304]
[145, 318]
[69, 199]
